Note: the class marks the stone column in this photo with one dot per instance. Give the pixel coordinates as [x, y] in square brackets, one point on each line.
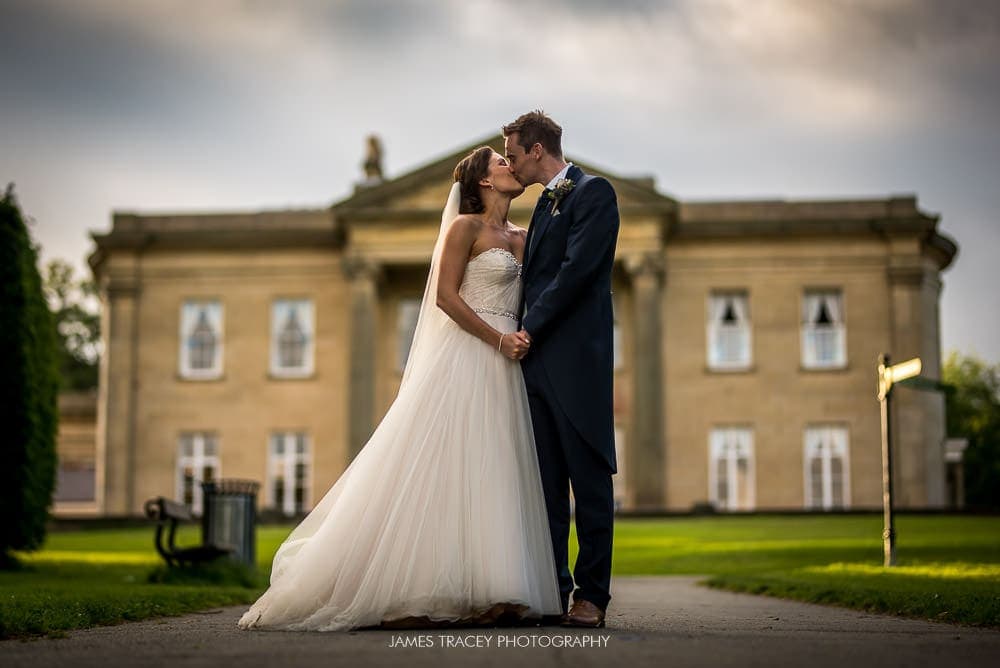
[918, 416]
[364, 276]
[646, 475]
[116, 404]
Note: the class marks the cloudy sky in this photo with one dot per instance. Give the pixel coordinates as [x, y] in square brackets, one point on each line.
[181, 105]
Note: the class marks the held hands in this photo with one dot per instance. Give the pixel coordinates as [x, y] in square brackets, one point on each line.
[516, 345]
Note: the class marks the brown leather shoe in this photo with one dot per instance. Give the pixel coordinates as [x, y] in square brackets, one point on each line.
[585, 614]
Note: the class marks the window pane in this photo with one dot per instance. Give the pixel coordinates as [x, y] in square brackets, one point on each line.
[187, 446]
[279, 491]
[292, 339]
[729, 330]
[722, 482]
[201, 342]
[837, 481]
[816, 482]
[188, 486]
[300, 486]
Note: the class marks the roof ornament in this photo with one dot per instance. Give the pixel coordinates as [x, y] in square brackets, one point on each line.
[372, 164]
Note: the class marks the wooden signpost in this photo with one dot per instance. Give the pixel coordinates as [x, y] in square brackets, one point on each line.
[887, 377]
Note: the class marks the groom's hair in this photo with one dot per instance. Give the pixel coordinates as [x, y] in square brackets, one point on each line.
[535, 127]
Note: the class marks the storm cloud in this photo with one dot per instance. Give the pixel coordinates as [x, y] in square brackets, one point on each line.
[189, 106]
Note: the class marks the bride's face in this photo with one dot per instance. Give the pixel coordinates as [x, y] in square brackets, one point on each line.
[501, 176]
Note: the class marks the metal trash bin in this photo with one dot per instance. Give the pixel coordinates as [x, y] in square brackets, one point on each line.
[229, 519]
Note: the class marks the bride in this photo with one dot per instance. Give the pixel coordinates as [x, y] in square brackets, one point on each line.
[440, 518]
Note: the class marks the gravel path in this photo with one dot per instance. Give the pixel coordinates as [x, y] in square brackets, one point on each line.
[663, 621]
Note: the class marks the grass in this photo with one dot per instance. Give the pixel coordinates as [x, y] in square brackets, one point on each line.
[90, 578]
[949, 568]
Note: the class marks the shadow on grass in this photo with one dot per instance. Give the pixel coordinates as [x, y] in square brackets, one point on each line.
[221, 572]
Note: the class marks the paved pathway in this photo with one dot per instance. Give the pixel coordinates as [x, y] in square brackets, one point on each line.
[669, 622]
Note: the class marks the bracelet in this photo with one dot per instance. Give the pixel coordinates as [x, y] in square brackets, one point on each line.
[500, 345]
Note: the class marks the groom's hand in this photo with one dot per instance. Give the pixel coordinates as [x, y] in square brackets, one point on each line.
[514, 346]
[524, 339]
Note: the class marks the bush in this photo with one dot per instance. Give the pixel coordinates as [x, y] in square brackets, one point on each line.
[28, 393]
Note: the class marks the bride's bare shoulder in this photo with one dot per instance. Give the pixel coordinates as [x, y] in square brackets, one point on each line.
[467, 222]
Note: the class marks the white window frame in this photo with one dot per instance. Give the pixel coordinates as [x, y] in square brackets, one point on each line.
[729, 443]
[307, 313]
[197, 461]
[715, 330]
[284, 464]
[407, 312]
[826, 441]
[188, 320]
[837, 331]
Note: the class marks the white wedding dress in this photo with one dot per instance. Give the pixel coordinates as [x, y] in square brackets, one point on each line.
[441, 514]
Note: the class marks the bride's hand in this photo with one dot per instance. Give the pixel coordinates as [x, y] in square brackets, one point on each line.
[513, 346]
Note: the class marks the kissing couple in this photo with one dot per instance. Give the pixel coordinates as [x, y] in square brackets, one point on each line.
[457, 509]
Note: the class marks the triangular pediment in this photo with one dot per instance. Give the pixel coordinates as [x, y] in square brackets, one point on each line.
[423, 191]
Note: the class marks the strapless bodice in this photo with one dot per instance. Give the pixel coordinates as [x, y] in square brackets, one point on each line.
[492, 283]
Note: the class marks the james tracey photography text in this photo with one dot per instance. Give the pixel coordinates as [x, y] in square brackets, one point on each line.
[505, 641]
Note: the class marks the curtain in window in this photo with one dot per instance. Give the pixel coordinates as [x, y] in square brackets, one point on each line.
[729, 331]
[201, 338]
[292, 336]
[823, 337]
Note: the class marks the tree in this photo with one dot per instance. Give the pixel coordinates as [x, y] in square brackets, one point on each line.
[78, 325]
[974, 413]
[29, 391]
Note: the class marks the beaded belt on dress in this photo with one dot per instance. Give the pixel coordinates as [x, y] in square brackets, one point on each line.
[496, 311]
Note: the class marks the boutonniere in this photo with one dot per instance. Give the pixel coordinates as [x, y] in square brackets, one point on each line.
[562, 188]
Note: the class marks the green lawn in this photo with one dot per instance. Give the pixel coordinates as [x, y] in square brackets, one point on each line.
[949, 568]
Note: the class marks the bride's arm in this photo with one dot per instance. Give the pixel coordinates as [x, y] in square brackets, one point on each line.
[454, 256]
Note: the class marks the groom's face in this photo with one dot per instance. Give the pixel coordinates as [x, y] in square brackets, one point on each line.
[523, 165]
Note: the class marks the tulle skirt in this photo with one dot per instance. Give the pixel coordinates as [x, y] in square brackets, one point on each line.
[440, 515]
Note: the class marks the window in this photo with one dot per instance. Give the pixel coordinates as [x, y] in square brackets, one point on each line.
[197, 462]
[201, 339]
[288, 472]
[728, 331]
[827, 481]
[292, 337]
[75, 481]
[406, 317]
[823, 339]
[730, 472]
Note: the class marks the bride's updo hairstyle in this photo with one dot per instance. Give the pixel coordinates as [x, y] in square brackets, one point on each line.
[468, 173]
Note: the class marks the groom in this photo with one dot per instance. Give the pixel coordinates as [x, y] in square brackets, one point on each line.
[567, 320]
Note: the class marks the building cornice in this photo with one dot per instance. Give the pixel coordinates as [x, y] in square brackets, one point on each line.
[886, 218]
[222, 231]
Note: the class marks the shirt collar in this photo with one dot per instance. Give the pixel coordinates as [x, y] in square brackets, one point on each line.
[561, 175]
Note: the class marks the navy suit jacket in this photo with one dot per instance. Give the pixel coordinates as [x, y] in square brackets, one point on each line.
[567, 310]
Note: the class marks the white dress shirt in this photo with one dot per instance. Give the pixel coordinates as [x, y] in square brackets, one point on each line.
[560, 175]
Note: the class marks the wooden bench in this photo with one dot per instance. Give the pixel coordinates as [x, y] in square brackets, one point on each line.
[167, 514]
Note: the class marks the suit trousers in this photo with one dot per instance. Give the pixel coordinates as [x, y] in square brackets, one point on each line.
[565, 459]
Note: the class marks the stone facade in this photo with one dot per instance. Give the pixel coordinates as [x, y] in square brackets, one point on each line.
[359, 266]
